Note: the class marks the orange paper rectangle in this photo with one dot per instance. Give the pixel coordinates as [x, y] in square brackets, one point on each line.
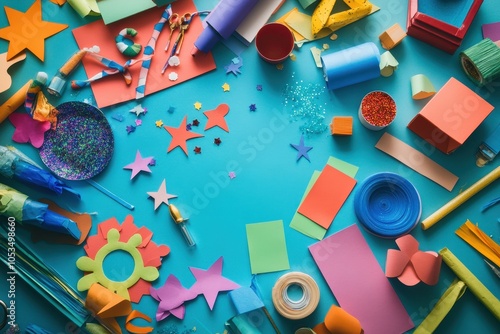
[327, 196]
[341, 125]
[113, 90]
[416, 160]
[480, 241]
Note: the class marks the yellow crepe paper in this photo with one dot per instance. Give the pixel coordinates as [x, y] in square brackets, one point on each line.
[481, 242]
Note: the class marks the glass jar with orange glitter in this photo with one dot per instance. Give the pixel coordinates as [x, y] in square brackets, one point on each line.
[377, 110]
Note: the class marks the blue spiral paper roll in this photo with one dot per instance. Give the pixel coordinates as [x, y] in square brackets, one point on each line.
[387, 205]
[351, 66]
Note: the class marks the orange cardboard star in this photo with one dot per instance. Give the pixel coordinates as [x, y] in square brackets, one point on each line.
[28, 31]
[180, 135]
[216, 117]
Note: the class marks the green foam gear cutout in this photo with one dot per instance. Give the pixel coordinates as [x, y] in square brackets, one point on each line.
[96, 270]
[125, 45]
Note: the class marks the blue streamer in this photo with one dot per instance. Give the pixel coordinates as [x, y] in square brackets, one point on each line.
[387, 205]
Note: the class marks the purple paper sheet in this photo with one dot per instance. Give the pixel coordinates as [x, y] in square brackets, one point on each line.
[491, 31]
[228, 14]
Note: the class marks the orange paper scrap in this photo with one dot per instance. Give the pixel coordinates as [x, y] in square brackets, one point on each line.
[112, 90]
[338, 321]
[341, 125]
[6, 81]
[480, 241]
[327, 196]
[416, 160]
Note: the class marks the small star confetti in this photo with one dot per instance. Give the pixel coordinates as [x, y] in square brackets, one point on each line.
[130, 128]
[197, 150]
[334, 37]
[253, 107]
[171, 110]
[138, 122]
[293, 57]
[188, 126]
[196, 122]
[138, 109]
[302, 149]
[217, 141]
[279, 66]
[259, 88]
[159, 123]
[152, 162]
[234, 66]
[226, 87]
[197, 105]
[232, 175]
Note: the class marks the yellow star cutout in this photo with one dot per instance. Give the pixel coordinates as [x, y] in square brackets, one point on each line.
[159, 123]
[197, 105]
[226, 87]
[28, 31]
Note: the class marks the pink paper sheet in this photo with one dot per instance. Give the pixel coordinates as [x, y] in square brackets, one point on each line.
[327, 196]
[359, 283]
[112, 90]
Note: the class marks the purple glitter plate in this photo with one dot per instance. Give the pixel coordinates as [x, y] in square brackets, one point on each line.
[82, 144]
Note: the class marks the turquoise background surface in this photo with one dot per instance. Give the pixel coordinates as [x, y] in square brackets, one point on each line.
[269, 181]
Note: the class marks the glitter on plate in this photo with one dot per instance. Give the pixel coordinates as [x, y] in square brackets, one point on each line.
[82, 144]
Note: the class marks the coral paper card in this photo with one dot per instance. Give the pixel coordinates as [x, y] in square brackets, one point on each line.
[451, 116]
[327, 196]
[112, 89]
[358, 282]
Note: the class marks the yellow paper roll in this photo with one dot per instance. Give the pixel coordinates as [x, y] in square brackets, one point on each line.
[461, 198]
[295, 309]
[14, 102]
[321, 14]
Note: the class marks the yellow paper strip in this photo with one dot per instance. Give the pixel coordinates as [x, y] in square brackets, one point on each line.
[358, 10]
[475, 286]
[481, 242]
[321, 15]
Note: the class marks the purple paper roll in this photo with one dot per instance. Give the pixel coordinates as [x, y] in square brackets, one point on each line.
[222, 22]
[351, 66]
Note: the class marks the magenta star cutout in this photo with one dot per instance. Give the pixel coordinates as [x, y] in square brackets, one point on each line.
[210, 282]
[161, 196]
[139, 164]
[180, 135]
[171, 296]
[28, 130]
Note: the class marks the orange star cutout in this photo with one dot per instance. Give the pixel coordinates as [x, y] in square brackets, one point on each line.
[28, 31]
[180, 135]
[216, 117]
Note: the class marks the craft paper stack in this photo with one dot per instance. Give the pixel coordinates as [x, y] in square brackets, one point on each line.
[442, 24]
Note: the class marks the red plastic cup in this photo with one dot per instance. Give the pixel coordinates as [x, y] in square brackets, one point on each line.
[274, 42]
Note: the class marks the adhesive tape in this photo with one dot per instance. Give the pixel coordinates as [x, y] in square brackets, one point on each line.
[295, 309]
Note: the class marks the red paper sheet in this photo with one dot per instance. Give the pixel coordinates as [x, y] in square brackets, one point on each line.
[327, 196]
[358, 282]
[112, 90]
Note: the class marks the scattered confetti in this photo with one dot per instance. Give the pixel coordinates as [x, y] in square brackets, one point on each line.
[139, 164]
[279, 66]
[196, 122]
[188, 126]
[138, 122]
[326, 47]
[293, 57]
[159, 123]
[130, 128]
[152, 162]
[171, 110]
[259, 88]
[217, 141]
[226, 87]
[197, 150]
[174, 61]
[173, 76]
[138, 110]
[161, 196]
[118, 117]
[302, 149]
[252, 107]
[334, 37]
[232, 175]
[197, 105]
[301, 101]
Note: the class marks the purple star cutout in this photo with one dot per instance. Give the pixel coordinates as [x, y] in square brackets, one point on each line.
[259, 88]
[152, 162]
[139, 164]
[210, 282]
[234, 66]
[253, 107]
[302, 149]
[130, 128]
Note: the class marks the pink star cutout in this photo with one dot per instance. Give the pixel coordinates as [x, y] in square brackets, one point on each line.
[210, 282]
[171, 296]
[180, 135]
[216, 117]
[28, 130]
[161, 196]
[139, 164]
